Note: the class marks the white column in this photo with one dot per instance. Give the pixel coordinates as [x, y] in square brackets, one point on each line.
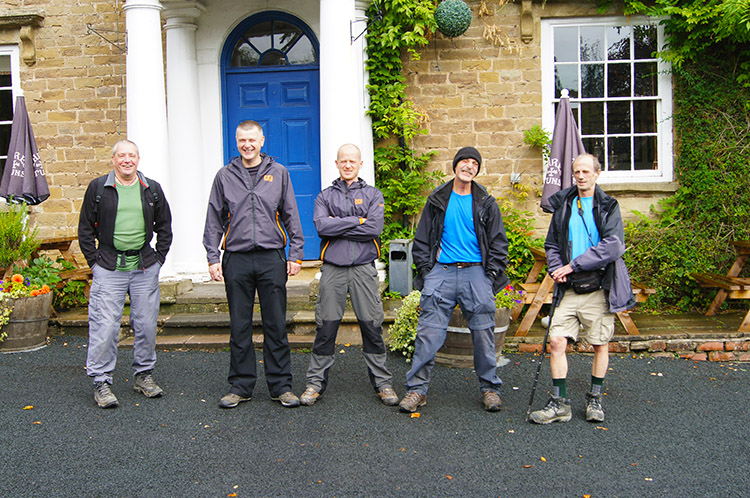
[363, 98]
[146, 99]
[341, 88]
[185, 142]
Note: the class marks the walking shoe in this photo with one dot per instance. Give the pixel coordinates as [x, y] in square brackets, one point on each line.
[412, 401]
[288, 399]
[491, 401]
[309, 397]
[231, 400]
[388, 396]
[145, 384]
[104, 396]
[594, 412]
[557, 410]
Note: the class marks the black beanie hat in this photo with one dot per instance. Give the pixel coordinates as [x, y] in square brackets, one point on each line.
[467, 153]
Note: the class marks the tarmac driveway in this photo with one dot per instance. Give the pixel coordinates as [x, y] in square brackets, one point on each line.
[674, 428]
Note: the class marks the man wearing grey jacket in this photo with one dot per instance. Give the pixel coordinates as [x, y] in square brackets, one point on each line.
[349, 218]
[585, 239]
[250, 199]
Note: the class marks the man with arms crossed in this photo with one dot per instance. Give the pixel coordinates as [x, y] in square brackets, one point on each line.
[250, 199]
[349, 219]
[585, 235]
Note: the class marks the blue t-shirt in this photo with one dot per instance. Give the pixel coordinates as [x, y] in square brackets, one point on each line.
[459, 241]
[577, 235]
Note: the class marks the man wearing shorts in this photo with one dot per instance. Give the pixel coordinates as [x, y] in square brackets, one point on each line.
[585, 238]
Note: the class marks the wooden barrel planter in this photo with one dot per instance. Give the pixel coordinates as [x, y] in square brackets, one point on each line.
[27, 325]
[458, 350]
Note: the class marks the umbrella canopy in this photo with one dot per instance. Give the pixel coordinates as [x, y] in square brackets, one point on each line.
[23, 176]
[566, 146]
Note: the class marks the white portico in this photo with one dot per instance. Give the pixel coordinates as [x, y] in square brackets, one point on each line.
[180, 119]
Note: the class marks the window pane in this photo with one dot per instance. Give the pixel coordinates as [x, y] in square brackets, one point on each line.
[244, 55]
[644, 41]
[285, 35]
[260, 36]
[6, 109]
[566, 44]
[595, 146]
[5, 80]
[302, 52]
[592, 43]
[645, 79]
[4, 138]
[592, 80]
[618, 38]
[592, 118]
[618, 117]
[644, 153]
[273, 58]
[618, 158]
[566, 76]
[644, 114]
[618, 80]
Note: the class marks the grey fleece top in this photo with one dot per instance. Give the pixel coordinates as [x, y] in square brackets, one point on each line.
[252, 215]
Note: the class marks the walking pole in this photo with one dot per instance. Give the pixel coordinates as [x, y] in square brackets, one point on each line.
[555, 293]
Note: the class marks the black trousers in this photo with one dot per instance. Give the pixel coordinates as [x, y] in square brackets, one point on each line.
[244, 272]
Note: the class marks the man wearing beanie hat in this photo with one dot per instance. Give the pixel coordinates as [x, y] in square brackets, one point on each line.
[461, 251]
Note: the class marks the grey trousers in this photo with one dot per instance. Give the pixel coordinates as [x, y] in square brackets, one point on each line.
[361, 283]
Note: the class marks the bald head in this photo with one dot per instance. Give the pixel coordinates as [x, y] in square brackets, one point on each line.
[349, 162]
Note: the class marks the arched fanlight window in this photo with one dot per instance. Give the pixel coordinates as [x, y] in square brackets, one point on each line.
[273, 43]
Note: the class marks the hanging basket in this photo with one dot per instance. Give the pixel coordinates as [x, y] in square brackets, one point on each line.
[453, 17]
[27, 324]
[458, 349]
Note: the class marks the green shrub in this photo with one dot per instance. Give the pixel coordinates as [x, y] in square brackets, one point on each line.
[402, 333]
[18, 239]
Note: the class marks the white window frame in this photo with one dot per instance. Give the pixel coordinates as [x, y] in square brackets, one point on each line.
[15, 79]
[664, 96]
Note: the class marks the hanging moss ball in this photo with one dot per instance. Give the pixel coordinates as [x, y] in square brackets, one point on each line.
[453, 17]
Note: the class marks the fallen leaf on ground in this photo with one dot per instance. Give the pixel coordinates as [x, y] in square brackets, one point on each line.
[348, 344]
[28, 407]
[601, 428]
[527, 466]
[232, 494]
[648, 478]
[342, 351]
[416, 415]
[36, 423]
[543, 459]
[450, 478]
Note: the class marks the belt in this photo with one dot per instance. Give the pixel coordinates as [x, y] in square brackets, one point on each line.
[462, 265]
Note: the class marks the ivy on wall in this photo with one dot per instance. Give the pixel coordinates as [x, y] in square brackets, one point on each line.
[397, 28]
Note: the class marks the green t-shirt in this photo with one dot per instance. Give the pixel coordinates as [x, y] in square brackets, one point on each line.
[130, 227]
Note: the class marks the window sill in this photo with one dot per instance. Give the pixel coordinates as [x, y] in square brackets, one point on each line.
[640, 188]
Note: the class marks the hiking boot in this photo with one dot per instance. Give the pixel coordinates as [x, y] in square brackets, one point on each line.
[388, 396]
[288, 399]
[104, 396]
[412, 401]
[231, 400]
[557, 410]
[594, 412]
[491, 400]
[145, 384]
[309, 397]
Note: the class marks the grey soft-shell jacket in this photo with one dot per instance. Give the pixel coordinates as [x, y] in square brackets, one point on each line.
[252, 216]
[349, 219]
[606, 254]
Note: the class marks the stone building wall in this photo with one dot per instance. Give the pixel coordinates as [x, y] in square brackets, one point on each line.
[74, 95]
[485, 94]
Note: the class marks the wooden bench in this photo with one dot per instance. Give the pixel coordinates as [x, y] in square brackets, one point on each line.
[730, 285]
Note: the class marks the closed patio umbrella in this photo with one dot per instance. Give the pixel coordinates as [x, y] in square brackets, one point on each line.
[23, 176]
[566, 146]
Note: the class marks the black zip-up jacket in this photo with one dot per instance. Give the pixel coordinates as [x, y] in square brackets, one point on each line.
[488, 224]
[93, 228]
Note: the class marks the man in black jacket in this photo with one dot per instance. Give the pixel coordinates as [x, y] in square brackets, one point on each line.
[461, 251]
[120, 213]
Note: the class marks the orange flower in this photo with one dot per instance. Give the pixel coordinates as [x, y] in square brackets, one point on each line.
[45, 289]
[35, 292]
[18, 279]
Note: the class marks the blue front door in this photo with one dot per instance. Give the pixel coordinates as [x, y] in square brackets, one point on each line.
[271, 76]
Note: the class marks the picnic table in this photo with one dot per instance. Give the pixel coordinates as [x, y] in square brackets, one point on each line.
[538, 294]
[730, 285]
[62, 244]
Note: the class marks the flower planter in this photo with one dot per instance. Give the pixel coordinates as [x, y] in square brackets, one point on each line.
[458, 350]
[27, 325]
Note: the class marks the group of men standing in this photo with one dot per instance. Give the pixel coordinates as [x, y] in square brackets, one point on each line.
[460, 251]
